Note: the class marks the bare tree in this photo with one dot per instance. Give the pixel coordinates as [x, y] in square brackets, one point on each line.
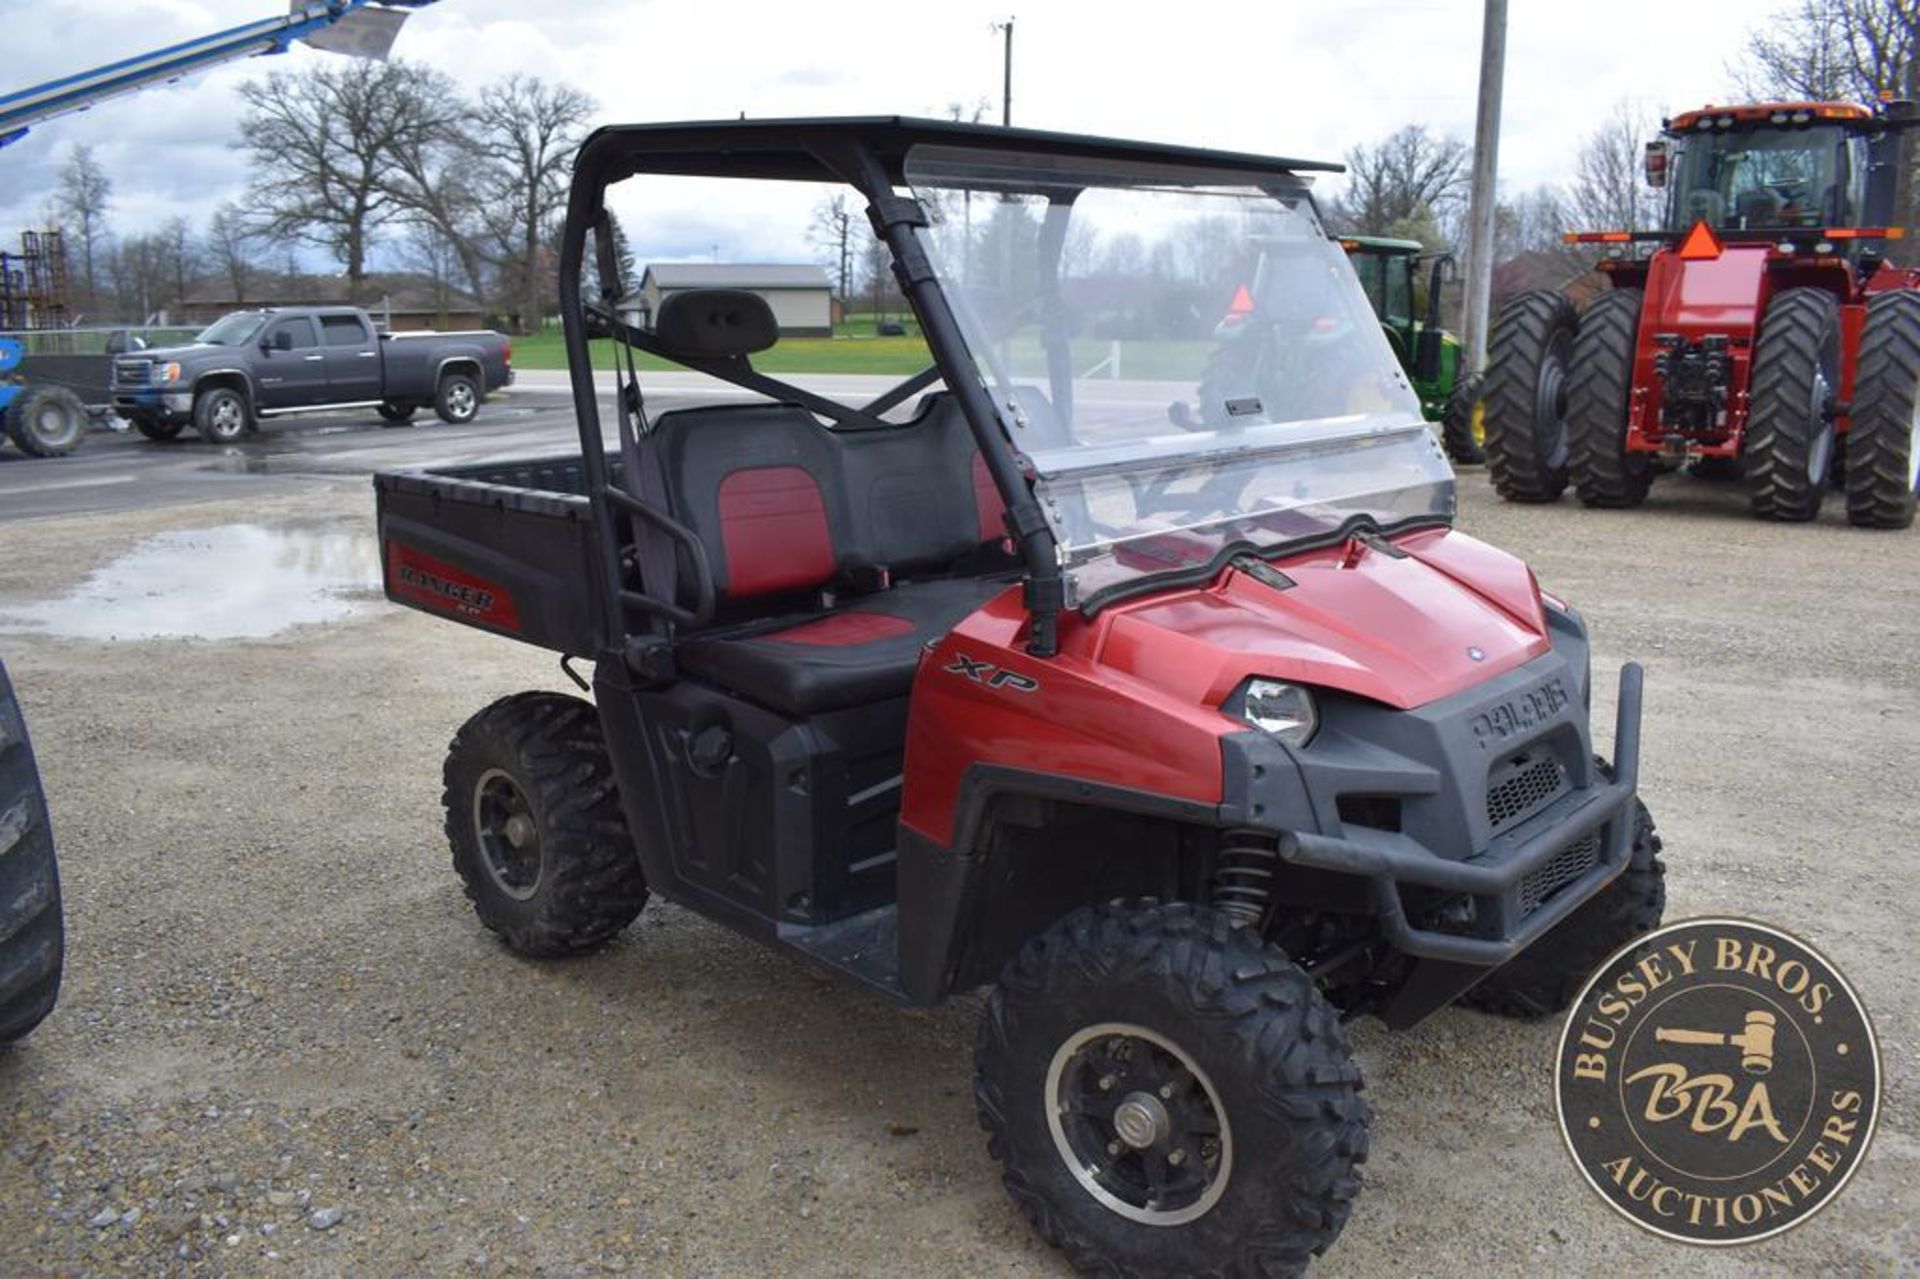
[139, 272]
[1411, 181]
[1826, 50]
[1843, 49]
[181, 256]
[1532, 222]
[83, 196]
[876, 270]
[428, 252]
[231, 249]
[525, 131]
[436, 184]
[1609, 192]
[622, 260]
[834, 233]
[324, 143]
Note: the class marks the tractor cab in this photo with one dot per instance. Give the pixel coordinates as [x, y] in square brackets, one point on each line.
[1389, 272]
[1781, 169]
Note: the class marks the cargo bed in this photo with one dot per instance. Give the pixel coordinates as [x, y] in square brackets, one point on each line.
[506, 546]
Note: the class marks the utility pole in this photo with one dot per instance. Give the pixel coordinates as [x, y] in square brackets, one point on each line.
[1486, 167]
[1006, 73]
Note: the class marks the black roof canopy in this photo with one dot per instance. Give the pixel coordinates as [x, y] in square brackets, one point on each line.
[796, 149]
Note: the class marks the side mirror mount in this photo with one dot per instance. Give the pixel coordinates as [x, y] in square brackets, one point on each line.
[1437, 280]
[1426, 355]
[1658, 152]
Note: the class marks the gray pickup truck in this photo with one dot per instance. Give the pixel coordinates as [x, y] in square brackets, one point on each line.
[253, 364]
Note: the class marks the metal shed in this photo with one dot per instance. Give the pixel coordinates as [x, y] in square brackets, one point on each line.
[799, 293]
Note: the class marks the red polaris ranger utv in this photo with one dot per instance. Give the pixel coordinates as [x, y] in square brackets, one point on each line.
[1767, 336]
[1126, 664]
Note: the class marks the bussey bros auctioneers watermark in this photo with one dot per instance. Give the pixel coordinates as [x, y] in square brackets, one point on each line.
[1717, 1081]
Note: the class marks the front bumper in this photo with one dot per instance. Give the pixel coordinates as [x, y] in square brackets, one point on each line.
[1505, 879]
[161, 404]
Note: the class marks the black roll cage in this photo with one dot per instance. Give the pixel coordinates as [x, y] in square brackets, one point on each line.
[868, 154]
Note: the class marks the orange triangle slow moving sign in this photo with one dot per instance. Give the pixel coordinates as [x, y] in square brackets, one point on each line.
[1701, 244]
[1241, 306]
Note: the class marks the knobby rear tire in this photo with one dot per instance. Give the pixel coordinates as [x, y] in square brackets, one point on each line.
[1883, 445]
[589, 884]
[1521, 404]
[1789, 436]
[32, 936]
[1599, 391]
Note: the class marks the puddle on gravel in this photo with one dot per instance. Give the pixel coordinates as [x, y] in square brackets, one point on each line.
[238, 581]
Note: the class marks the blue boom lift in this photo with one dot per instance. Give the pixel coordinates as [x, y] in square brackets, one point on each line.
[47, 420]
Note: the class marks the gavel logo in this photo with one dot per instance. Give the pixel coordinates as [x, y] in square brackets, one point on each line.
[1755, 1042]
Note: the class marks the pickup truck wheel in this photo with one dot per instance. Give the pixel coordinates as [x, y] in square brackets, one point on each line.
[46, 421]
[396, 413]
[1543, 979]
[458, 399]
[220, 415]
[536, 828]
[1167, 1093]
[155, 429]
[32, 940]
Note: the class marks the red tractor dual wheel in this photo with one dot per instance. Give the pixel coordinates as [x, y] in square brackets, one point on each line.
[1795, 382]
[1883, 448]
[1524, 401]
[1599, 386]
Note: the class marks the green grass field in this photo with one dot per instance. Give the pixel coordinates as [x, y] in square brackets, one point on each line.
[853, 350]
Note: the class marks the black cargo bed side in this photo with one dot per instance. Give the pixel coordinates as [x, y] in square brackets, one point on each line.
[503, 546]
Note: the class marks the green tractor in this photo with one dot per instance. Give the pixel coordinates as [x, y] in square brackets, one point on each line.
[1429, 354]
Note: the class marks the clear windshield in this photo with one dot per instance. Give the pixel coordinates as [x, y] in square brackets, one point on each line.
[1187, 361]
[233, 329]
[1743, 178]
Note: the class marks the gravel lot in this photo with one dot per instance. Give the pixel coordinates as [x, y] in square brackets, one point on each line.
[285, 1045]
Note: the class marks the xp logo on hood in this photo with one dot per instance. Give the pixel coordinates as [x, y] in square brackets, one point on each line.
[1717, 1081]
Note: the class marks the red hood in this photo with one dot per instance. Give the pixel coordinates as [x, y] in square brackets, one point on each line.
[1708, 295]
[1399, 629]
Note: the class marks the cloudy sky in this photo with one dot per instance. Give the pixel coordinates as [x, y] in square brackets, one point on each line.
[1289, 77]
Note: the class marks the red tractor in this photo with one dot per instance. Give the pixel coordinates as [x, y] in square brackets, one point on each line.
[1767, 336]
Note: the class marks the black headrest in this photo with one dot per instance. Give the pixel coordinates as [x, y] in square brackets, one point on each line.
[715, 324]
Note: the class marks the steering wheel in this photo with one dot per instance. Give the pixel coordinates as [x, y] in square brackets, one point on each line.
[1706, 205]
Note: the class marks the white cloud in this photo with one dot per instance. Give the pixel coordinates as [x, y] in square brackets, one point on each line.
[1284, 77]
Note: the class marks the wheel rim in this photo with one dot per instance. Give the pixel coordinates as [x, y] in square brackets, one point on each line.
[55, 424]
[1478, 429]
[226, 416]
[1550, 404]
[1913, 447]
[508, 834]
[1820, 449]
[1138, 1124]
[460, 399]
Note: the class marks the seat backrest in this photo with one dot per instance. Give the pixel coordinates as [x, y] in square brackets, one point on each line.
[784, 504]
[760, 485]
[911, 490]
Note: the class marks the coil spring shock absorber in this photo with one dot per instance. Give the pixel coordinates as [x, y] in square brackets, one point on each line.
[1243, 875]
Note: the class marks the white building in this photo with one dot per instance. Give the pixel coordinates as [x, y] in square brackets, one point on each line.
[800, 295]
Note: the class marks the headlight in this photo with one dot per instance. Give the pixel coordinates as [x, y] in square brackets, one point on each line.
[166, 372]
[1284, 710]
